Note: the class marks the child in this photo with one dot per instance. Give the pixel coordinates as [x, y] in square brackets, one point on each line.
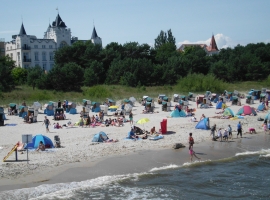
[192, 153]
[265, 127]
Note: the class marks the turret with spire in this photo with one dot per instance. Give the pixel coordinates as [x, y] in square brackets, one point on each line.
[212, 48]
[22, 30]
[94, 38]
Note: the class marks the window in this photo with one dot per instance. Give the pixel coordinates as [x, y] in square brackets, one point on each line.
[11, 48]
[36, 46]
[63, 44]
[44, 56]
[51, 66]
[51, 55]
[43, 47]
[7, 48]
[26, 66]
[50, 46]
[36, 56]
[36, 64]
[18, 56]
[44, 65]
[18, 46]
[11, 55]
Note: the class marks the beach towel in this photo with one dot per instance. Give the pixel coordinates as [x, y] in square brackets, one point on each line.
[10, 124]
[157, 137]
[132, 139]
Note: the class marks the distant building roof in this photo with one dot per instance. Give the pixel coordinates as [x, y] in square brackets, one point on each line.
[211, 49]
[213, 45]
[59, 22]
[22, 30]
[94, 34]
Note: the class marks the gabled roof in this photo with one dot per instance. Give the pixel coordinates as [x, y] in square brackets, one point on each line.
[94, 34]
[59, 22]
[22, 31]
[213, 45]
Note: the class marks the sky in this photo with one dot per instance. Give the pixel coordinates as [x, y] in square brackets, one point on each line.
[191, 21]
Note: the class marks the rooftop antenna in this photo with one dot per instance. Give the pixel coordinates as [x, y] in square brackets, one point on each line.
[57, 10]
[93, 22]
[22, 18]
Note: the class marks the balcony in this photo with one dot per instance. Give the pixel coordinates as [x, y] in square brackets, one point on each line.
[26, 60]
[26, 48]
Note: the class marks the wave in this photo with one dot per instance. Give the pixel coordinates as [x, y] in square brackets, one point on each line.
[64, 190]
[171, 166]
[247, 153]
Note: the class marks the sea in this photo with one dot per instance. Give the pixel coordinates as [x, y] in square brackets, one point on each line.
[243, 176]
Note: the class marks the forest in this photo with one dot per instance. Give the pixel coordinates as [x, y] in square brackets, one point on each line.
[133, 64]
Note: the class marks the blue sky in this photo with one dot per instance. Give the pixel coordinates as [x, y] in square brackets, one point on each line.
[191, 21]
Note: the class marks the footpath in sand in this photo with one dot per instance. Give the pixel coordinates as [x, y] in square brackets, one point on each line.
[78, 148]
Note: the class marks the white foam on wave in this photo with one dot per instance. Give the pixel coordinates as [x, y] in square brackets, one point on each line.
[263, 151]
[63, 190]
[171, 166]
[195, 162]
[265, 156]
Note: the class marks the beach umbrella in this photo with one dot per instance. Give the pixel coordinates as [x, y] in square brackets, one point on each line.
[143, 121]
[113, 107]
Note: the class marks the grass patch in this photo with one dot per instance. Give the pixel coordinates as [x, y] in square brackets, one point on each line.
[99, 93]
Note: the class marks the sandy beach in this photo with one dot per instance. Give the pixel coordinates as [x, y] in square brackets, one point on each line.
[80, 159]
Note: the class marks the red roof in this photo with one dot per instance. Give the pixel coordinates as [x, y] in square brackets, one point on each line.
[213, 45]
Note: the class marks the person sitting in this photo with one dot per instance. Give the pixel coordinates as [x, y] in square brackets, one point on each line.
[107, 123]
[153, 130]
[202, 117]
[62, 116]
[132, 135]
[57, 116]
[41, 146]
[193, 119]
[57, 126]
[93, 118]
[120, 122]
[97, 118]
[31, 118]
[10, 111]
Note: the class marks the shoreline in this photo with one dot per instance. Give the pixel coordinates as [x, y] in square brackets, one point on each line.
[140, 161]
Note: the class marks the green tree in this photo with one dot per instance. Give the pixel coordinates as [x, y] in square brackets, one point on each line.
[6, 79]
[66, 78]
[19, 75]
[33, 76]
[95, 74]
[164, 38]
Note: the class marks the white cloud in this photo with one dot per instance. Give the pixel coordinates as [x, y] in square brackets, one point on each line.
[222, 41]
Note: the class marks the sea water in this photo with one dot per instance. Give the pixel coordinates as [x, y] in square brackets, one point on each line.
[243, 176]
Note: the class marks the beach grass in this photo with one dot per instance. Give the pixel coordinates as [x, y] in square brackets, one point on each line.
[99, 93]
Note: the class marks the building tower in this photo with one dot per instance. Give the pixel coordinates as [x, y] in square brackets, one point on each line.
[212, 48]
[59, 33]
[95, 39]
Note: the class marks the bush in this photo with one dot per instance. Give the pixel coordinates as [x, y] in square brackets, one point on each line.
[200, 83]
[98, 92]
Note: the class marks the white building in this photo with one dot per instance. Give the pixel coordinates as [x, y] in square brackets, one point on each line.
[28, 50]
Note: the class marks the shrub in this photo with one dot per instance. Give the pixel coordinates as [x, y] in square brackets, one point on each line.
[98, 91]
[200, 83]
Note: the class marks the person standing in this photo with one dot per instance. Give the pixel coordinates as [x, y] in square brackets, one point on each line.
[229, 129]
[59, 104]
[219, 134]
[190, 140]
[130, 117]
[47, 123]
[213, 130]
[239, 129]
[192, 153]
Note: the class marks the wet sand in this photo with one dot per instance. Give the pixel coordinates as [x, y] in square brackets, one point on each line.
[140, 161]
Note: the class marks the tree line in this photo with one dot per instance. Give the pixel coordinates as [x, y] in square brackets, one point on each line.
[134, 64]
